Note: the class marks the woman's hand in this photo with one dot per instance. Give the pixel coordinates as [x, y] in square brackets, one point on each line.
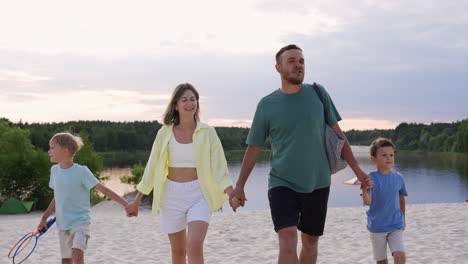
[132, 209]
[235, 203]
[237, 198]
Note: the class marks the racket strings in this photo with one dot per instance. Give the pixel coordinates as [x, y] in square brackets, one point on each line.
[24, 243]
[21, 246]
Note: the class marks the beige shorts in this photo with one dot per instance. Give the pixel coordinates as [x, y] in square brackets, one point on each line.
[394, 239]
[76, 237]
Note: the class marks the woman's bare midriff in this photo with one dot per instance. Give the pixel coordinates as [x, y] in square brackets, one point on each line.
[182, 174]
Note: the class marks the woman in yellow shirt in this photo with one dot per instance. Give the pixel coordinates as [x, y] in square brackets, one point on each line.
[188, 172]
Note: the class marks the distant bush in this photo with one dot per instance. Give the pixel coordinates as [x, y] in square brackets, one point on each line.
[24, 170]
[87, 156]
[137, 174]
[135, 178]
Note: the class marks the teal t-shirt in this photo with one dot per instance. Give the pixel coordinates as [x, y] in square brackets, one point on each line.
[71, 192]
[295, 123]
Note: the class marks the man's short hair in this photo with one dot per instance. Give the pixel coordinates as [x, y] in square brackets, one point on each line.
[380, 143]
[69, 141]
[283, 49]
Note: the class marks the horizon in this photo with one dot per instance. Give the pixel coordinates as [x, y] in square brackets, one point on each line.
[234, 126]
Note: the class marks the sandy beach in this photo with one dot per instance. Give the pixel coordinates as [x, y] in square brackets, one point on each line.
[436, 233]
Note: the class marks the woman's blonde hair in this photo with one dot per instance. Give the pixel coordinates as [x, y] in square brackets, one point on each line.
[171, 115]
[69, 141]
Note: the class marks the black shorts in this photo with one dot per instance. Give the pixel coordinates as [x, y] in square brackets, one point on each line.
[307, 211]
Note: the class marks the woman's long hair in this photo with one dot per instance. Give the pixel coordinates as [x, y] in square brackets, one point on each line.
[171, 115]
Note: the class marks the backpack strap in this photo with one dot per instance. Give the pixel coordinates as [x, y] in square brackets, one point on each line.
[317, 90]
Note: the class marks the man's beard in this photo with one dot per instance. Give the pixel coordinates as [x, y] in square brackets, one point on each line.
[294, 80]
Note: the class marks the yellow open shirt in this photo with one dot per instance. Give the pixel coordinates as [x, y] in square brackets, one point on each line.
[212, 171]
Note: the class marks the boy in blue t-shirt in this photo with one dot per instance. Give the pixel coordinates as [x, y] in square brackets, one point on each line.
[386, 214]
[72, 184]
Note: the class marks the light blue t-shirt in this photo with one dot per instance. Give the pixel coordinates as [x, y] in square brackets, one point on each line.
[71, 192]
[384, 214]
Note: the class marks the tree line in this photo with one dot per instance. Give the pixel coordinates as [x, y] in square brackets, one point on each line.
[108, 136]
[114, 138]
[434, 137]
[25, 165]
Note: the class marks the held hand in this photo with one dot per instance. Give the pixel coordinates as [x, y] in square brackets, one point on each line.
[132, 209]
[229, 191]
[235, 203]
[365, 180]
[42, 224]
[237, 198]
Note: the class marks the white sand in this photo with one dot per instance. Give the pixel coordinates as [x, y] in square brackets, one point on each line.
[436, 233]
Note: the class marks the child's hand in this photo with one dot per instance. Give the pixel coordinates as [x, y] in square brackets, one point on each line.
[366, 195]
[42, 224]
[132, 209]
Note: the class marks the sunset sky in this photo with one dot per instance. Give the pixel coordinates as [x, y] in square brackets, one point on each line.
[383, 62]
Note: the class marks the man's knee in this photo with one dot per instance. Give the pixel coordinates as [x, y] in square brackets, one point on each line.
[399, 257]
[288, 237]
[309, 242]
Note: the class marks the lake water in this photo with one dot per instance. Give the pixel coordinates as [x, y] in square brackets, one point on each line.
[429, 178]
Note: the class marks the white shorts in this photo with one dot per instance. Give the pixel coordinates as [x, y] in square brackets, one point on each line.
[76, 237]
[183, 203]
[394, 239]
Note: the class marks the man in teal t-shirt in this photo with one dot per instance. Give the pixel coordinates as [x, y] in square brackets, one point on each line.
[299, 182]
[295, 124]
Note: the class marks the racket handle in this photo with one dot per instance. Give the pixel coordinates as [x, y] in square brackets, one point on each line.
[49, 224]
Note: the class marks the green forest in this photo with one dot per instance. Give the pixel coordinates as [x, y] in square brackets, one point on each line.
[123, 144]
[434, 137]
[25, 164]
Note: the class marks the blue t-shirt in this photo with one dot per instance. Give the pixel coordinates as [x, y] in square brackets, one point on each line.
[384, 214]
[295, 122]
[71, 192]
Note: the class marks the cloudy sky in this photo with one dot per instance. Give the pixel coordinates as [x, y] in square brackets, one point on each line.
[383, 62]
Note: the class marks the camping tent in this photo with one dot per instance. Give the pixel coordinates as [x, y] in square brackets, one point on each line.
[15, 206]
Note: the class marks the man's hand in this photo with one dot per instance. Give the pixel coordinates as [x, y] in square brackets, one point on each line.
[237, 198]
[365, 180]
[235, 203]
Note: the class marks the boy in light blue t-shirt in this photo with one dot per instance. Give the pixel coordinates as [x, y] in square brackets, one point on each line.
[72, 184]
[386, 215]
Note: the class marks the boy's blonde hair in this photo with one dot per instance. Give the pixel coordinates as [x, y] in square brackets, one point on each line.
[380, 143]
[67, 140]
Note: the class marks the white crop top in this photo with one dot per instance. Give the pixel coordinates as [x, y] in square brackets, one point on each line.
[181, 155]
